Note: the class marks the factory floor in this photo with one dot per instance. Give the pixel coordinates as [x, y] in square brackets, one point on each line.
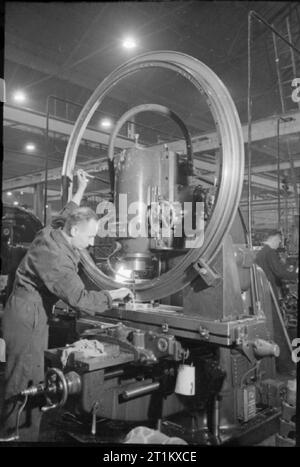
[52, 422]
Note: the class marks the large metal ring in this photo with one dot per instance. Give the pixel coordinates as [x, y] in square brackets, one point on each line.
[231, 138]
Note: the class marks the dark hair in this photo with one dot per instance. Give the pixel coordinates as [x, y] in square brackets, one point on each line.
[78, 216]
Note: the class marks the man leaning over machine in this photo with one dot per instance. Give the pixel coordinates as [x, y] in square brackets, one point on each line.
[267, 258]
[48, 272]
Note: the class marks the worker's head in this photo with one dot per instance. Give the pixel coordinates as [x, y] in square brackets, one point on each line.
[274, 239]
[81, 227]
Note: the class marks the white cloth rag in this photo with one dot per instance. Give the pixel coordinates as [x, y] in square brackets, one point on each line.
[89, 348]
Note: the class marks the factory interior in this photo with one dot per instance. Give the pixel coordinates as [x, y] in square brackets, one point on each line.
[182, 119]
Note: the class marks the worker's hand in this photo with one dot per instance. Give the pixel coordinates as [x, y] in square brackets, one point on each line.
[82, 178]
[121, 294]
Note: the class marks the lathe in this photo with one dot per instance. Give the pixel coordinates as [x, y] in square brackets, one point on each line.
[200, 302]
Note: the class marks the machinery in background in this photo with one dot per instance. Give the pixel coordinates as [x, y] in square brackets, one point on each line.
[289, 302]
[289, 295]
[18, 229]
[200, 302]
[288, 291]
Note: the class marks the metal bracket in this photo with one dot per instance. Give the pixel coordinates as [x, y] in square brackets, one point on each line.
[247, 349]
[210, 277]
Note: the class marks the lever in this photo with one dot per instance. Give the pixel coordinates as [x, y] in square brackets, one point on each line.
[16, 436]
[94, 413]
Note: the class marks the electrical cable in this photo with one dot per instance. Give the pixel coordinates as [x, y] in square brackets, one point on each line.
[249, 112]
[254, 368]
[16, 437]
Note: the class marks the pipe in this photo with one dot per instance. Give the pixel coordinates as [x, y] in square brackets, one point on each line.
[46, 161]
[216, 420]
[278, 174]
[113, 374]
[249, 113]
[255, 294]
[130, 393]
[281, 319]
[260, 18]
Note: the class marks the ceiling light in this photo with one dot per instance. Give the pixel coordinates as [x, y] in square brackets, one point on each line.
[106, 123]
[9, 193]
[30, 147]
[129, 43]
[19, 96]
[16, 203]
[21, 192]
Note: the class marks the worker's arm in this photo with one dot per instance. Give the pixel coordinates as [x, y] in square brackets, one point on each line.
[279, 269]
[59, 220]
[58, 273]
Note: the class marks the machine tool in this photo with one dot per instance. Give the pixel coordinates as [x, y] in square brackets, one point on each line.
[199, 299]
[18, 229]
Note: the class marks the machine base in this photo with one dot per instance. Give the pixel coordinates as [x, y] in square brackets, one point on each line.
[182, 425]
[263, 425]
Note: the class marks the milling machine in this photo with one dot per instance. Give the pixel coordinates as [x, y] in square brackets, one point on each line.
[199, 299]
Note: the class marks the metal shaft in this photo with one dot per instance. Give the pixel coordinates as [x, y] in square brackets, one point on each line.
[95, 408]
[130, 393]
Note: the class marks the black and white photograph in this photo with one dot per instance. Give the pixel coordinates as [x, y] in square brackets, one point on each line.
[149, 226]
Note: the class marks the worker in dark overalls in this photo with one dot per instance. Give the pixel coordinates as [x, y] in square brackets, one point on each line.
[48, 272]
[267, 258]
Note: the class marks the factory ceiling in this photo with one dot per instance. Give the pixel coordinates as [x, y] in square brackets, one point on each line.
[66, 49]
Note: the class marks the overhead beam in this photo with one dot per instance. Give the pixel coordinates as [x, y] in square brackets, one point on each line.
[38, 120]
[104, 191]
[269, 208]
[256, 180]
[269, 202]
[97, 165]
[262, 182]
[257, 169]
[261, 129]
[100, 165]
[272, 167]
